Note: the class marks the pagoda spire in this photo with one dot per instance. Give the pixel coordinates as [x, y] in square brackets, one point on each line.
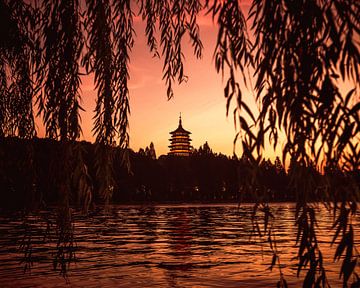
[180, 120]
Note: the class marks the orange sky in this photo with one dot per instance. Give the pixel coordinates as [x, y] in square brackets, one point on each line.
[201, 100]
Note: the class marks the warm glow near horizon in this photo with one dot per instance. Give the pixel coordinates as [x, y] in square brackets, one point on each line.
[200, 100]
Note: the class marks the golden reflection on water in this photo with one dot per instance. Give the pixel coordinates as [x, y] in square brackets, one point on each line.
[163, 246]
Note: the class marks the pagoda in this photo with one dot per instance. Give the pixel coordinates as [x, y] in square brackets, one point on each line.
[180, 141]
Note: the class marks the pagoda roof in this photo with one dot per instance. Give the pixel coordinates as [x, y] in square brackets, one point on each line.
[180, 129]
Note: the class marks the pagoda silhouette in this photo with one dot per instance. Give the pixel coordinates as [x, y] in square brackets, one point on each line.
[180, 141]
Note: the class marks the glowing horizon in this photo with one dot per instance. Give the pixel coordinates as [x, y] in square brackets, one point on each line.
[200, 100]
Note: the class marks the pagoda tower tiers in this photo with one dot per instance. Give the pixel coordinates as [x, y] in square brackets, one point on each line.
[180, 141]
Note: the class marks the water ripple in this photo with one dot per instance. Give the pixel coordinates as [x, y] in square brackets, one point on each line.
[158, 246]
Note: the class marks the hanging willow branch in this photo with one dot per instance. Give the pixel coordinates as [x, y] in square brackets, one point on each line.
[302, 51]
[63, 44]
[17, 60]
[175, 19]
[100, 60]
[123, 40]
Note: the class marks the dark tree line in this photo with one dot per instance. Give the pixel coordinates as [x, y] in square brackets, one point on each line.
[202, 177]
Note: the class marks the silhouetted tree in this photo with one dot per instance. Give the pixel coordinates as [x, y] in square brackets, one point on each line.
[150, 151]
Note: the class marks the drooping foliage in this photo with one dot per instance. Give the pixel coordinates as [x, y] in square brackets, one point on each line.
[301, 59]
[18, 59]
[302, 51]
[174, 19]
[62, 46]
[293, 55]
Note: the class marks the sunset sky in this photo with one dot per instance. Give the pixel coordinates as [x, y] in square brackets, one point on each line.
[201, 100]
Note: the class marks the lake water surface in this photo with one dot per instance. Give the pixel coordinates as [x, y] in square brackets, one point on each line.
[160, 246]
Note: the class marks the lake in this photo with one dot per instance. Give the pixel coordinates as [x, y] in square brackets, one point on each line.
[159, 246]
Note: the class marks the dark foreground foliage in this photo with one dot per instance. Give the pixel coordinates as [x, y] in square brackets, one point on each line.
[294, 56]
